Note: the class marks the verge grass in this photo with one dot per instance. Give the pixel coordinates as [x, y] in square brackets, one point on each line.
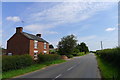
[13, 73]
[108, 71]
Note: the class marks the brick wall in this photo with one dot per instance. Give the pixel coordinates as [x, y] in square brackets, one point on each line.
[18, 44]
[41, 48]
[31, 48]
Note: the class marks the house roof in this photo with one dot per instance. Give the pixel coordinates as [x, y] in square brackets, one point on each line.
[33, 37]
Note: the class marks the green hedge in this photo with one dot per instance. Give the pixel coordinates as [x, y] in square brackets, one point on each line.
[48, 57]
[69, 56]
[110, 55]
[16, 62]
[78, 54]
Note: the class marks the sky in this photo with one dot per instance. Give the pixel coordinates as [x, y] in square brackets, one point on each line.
[90, 22]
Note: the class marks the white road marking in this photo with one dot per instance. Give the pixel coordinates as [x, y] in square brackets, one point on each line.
[69, 68]
[58, 76]
[61, 74]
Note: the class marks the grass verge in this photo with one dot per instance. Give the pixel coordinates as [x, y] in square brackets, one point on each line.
[108, 71]
[31, 68]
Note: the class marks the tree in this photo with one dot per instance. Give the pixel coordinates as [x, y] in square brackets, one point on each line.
[83, 47]
[66, 45]
[2, 50]
[79, 47]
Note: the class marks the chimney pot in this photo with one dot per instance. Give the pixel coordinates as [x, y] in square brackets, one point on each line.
[19, 29]
[39, 35]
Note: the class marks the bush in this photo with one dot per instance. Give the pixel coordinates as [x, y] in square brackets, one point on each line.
[75, 54]
[52, 52]
[110, 55]
[16, 62]
[70, 56]
[81, 53]
[48, 57]
[78, 54]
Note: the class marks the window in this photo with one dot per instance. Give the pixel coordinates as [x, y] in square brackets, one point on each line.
[9, 54]
[45, 46]
[44, 52]
[35, 44]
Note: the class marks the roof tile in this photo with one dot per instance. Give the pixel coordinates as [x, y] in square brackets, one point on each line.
[33, 37]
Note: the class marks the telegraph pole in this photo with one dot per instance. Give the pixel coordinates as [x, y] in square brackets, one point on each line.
[101, 45]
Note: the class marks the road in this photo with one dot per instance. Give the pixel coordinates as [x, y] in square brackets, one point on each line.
[78, 67]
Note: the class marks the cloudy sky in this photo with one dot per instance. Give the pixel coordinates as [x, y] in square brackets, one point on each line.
[90, 22]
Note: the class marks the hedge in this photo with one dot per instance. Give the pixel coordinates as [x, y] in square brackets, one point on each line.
[69, 56]
[110, 55]
[16, 62]
[78, 54]
[48, 57]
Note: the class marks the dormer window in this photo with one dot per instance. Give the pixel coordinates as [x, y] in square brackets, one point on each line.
[45, 46]
[35, 44]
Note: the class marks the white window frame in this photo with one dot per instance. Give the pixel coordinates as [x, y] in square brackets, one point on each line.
[35, 44]
[45, 45]
[45, 52]
[10, 54]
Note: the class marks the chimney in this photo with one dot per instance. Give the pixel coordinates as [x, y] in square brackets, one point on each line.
[39, 35]
[19, 29]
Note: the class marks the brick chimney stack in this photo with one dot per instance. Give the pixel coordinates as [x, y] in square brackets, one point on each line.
[19, 29]
[39, 35]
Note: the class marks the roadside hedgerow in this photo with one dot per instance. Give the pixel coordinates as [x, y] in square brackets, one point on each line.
[110, 55]
[70, 56]
[16, 62]
[109, 63]
[48, 57]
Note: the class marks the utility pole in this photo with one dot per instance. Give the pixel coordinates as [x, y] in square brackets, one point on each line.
[101, 45]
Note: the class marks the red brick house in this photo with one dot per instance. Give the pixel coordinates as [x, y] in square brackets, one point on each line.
[25, 43]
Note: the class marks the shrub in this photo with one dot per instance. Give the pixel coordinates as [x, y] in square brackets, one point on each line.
[75, 54]
[16, 62]
[70, 56]
[81, 53]
[110, 55]
[78, 54]
[52, 52]
[48, 57]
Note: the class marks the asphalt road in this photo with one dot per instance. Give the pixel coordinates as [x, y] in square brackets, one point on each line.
[78, 67]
